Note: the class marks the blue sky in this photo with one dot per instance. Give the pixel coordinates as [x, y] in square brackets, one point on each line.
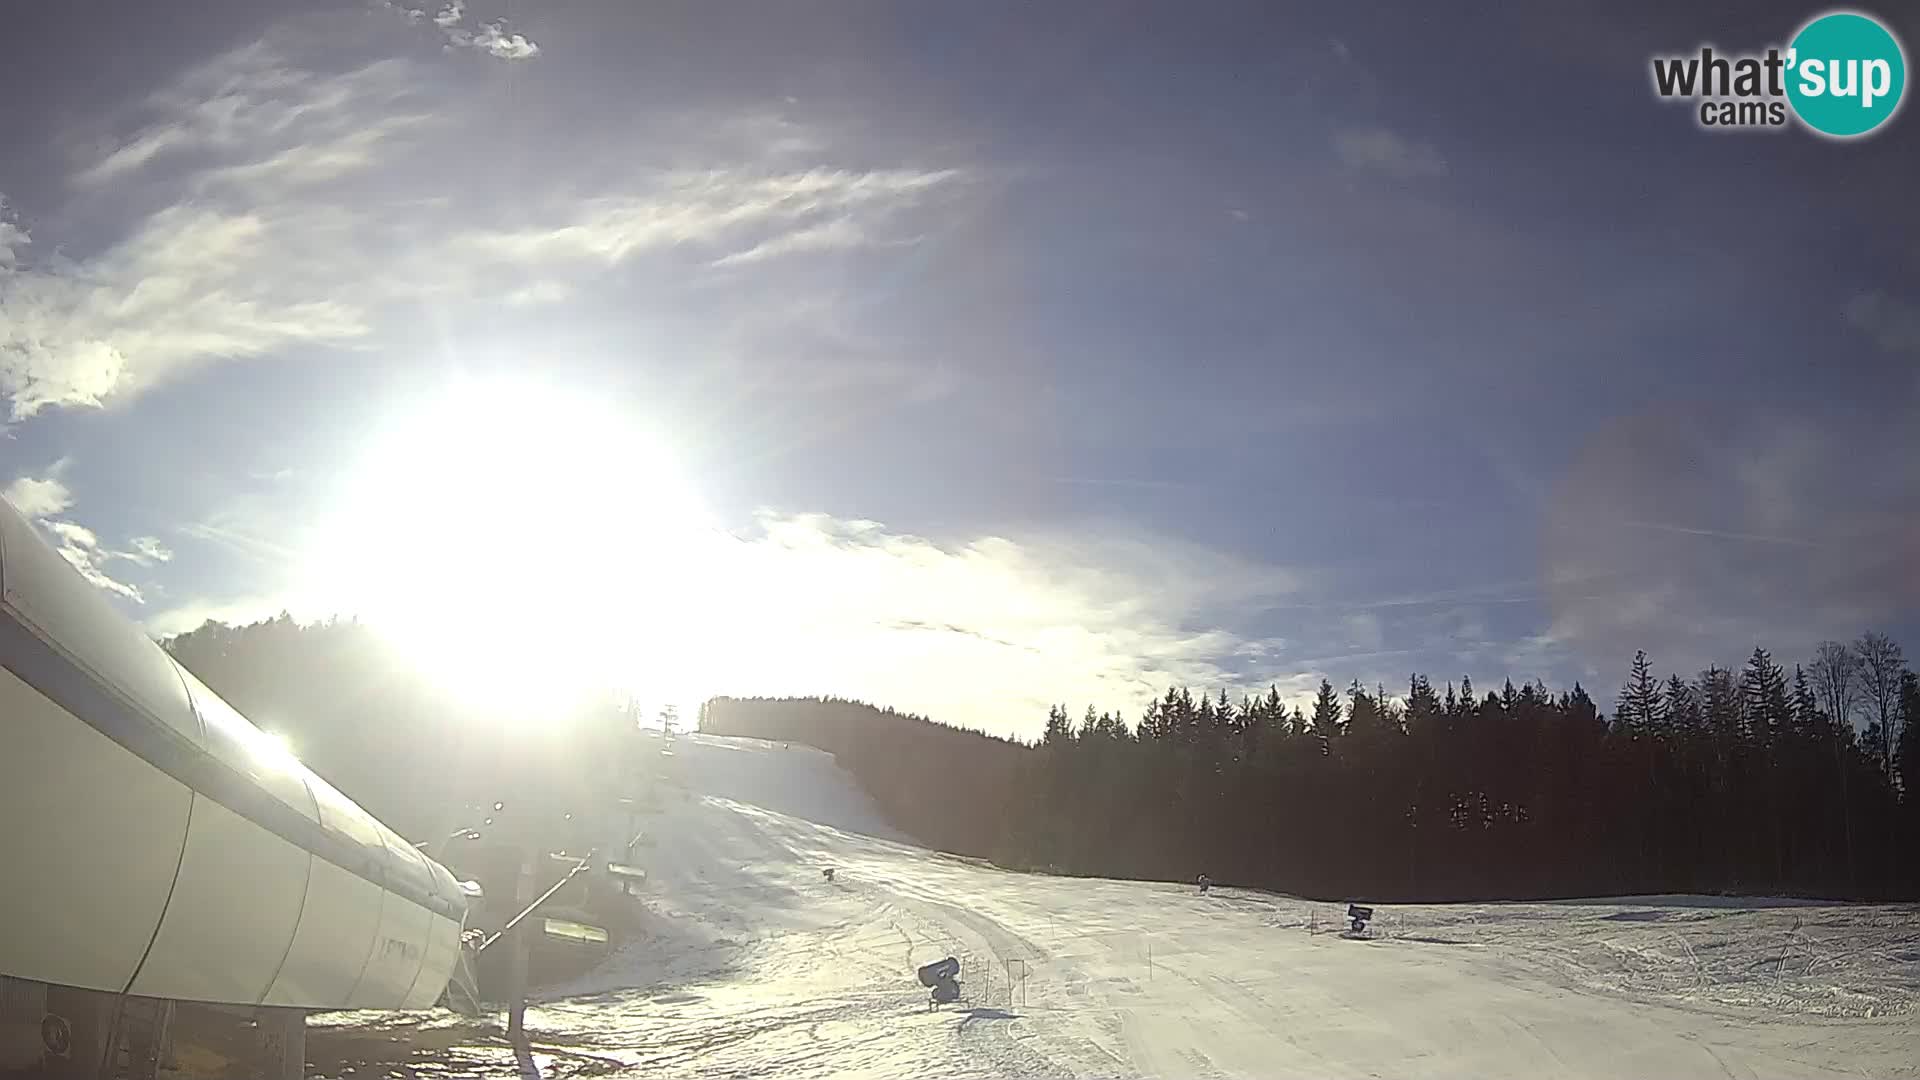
[1013, 353]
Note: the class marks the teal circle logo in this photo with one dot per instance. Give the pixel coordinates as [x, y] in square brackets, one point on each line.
[1846, 74]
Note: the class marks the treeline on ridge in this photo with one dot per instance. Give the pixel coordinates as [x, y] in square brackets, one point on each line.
[1738, 781]
[1733, 781]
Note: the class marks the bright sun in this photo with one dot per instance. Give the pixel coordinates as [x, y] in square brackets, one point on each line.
[526, 546]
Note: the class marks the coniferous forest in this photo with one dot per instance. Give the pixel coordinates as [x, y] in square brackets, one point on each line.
[1732, 781]
[1737, 780]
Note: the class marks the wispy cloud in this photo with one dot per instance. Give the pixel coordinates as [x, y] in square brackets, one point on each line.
[1384, 151]
[70, 533]
[237, 265]
[276, 162]
[256, 535]
[240, 536]
[757, 215]
[191, 285]
[46, 500]
[248, 103]
[1720, 534]
[450, 19]
[838, 234]
[147, 551]
[319, 161]
[83, 553]
[39, 496]
[494, 40]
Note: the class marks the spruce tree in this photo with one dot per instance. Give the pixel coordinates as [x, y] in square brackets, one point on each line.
[1326, 716]
[1639, 710]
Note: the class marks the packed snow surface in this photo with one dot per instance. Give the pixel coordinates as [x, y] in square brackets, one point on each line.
[756, 965]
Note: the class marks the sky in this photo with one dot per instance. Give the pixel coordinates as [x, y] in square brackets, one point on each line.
[960, 358]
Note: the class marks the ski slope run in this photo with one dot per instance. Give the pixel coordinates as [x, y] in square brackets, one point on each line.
[757, 966]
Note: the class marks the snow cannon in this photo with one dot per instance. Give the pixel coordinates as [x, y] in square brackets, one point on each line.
[1359, 917]
[943, 978]
[940, 971]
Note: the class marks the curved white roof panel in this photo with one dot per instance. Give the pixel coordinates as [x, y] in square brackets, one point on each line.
[176, 851]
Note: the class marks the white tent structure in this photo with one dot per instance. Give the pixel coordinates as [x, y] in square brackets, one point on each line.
[160, 848]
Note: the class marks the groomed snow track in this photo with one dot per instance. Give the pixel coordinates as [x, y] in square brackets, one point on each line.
[757, 965]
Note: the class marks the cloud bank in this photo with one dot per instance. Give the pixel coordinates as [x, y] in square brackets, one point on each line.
[283, 173]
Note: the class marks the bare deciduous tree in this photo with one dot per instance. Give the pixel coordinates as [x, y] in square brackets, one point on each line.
[1836, 684]
[1881, 665]
[1835, 672]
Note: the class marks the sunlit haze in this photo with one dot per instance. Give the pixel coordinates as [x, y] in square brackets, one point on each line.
[433, 545]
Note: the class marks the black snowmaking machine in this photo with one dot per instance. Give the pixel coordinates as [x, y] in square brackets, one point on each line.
[942, 978]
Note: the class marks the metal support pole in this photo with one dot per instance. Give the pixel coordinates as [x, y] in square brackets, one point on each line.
[281, 1050]
[146, 1023]
[519, 949]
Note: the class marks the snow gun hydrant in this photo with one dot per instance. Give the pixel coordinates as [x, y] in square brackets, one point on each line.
[942, 977]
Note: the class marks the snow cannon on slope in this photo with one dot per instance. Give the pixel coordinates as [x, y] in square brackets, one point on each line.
[1359, 917]
[942, 977]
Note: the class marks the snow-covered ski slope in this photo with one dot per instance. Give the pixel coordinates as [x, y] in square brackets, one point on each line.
[760, 967]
